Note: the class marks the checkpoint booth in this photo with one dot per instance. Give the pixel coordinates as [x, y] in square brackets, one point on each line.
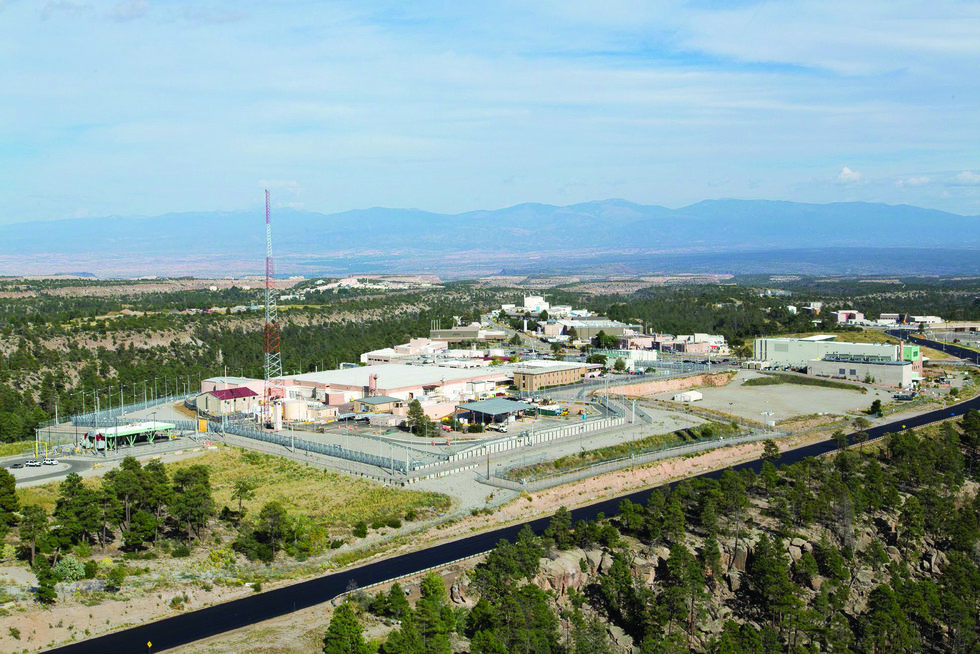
[492, 411]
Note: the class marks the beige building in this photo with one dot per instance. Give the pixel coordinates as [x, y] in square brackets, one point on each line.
[536, 378]
[227, 401]
[378, 404]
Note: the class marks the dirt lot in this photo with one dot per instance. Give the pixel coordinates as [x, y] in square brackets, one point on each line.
[783, 400]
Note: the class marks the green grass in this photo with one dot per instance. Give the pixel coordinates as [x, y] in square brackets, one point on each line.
[641, 446]
[330, 499]
[780, 378]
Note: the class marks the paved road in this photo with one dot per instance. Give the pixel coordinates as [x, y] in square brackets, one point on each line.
[949, 348]
[32, 476]
[190, 627]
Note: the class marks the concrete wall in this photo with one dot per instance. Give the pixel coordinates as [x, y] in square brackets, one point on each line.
[887, 375]
[653, 387]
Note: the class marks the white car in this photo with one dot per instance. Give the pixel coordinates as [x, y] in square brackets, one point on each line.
[32, 463]
[50, 462]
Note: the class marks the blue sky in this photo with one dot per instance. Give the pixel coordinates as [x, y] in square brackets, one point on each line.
[144, 107]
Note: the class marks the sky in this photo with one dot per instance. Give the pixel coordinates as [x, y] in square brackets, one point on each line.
[144, 107]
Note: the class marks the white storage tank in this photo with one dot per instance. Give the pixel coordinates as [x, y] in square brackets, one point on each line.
[293, 409]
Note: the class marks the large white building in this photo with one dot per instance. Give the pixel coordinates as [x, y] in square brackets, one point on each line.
[404, 382]
[415, 347]
[862, 368]
[535, 303]
[799, 352]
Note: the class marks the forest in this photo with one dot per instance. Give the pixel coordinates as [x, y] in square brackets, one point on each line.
[48, 368]
[61, 352]
[871, 549]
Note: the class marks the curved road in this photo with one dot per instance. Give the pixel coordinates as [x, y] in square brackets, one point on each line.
[949, 348]
[204, 623]
[60, 472]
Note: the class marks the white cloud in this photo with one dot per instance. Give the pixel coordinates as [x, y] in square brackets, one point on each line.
[129, 10]
[968, 177]
[848, 176]
[915, 180]
[65, 7]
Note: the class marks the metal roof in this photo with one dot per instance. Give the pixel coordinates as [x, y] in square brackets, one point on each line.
[495, 407]
[137, 428]
[379, 399]
[394, 375]
[233, 393]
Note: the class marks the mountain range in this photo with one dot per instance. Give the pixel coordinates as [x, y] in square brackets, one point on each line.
[383, 239]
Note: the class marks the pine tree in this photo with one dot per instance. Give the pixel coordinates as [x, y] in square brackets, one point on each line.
[344, 633]
[9, 504]
[33, 527]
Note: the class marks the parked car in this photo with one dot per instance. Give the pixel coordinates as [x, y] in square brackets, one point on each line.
[50, 462]
[32, 463]
[17, 465]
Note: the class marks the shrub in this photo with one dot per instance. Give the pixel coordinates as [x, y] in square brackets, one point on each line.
[336, 543]
[91, 569]
[377, 524]
[14, 633]
[115, 578]
[394, 523]
[69, 569]
[360, 529]
[475, 428]
[411, 515]
[181, 551]
[83, 550]
[257, 587]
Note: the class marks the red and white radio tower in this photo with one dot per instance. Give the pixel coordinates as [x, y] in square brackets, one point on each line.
[273, 354]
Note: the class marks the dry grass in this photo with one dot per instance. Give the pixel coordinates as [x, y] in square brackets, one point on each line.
[868, 336]
[44, 495]
[18, 447]
[329, 498]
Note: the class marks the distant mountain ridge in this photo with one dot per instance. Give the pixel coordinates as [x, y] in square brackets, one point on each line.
[614, 225]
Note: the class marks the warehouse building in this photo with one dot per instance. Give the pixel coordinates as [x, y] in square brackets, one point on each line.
[471, 332]
[545, 374]
[404, 382]
[880, 370]
[799, 352]
[587, 328]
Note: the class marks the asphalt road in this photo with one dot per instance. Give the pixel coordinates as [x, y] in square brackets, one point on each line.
[948, 348]
[190, 627]
[22, 476]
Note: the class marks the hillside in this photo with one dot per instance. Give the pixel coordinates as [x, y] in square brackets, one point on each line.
[602, 233]
[869, 550]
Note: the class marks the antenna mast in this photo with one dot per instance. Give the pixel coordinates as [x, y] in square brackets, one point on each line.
[273, 354]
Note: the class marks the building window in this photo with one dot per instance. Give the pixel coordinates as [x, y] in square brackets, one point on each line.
[841, 371]
[854, 372]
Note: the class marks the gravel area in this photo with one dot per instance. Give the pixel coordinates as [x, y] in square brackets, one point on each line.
[782, 400]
